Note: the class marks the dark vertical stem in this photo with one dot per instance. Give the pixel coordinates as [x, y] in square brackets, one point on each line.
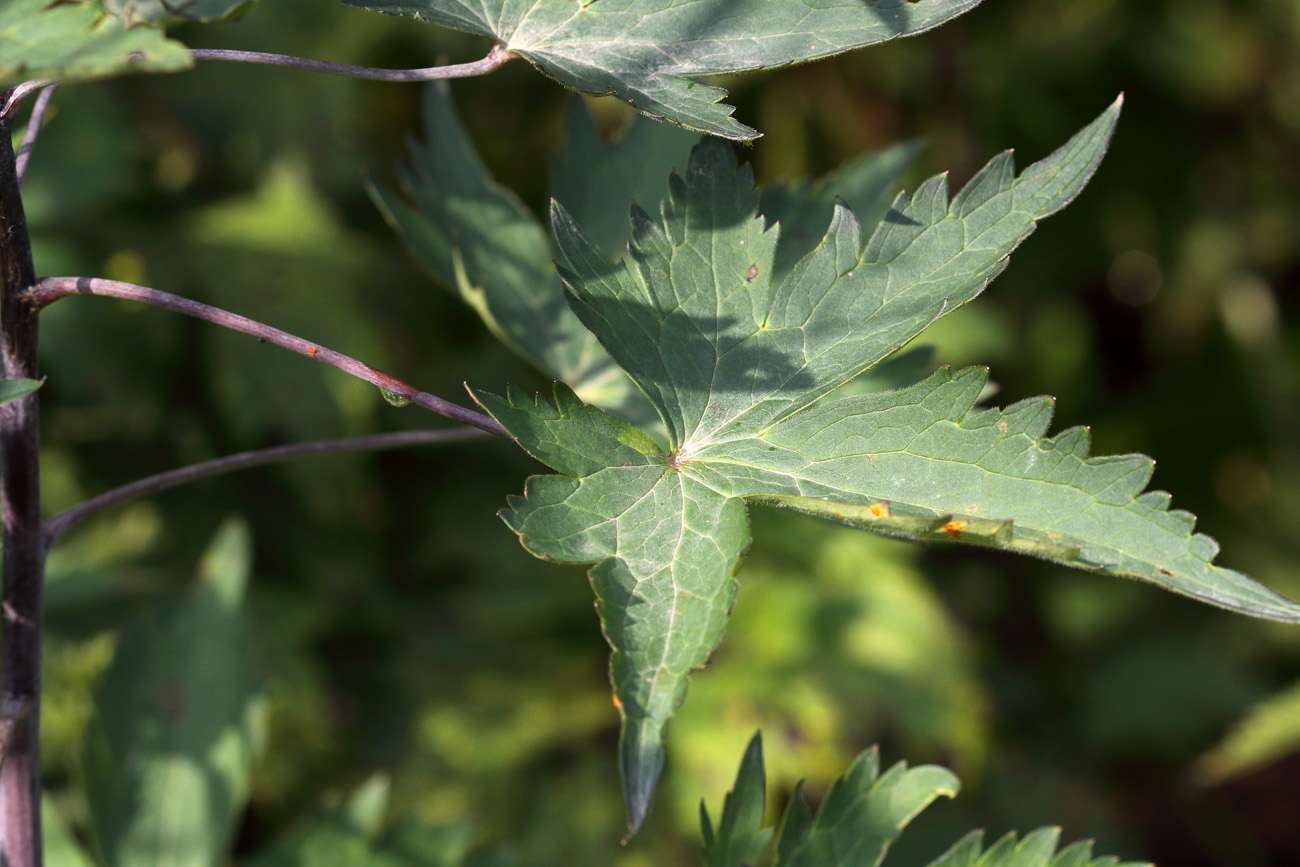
[24, 551]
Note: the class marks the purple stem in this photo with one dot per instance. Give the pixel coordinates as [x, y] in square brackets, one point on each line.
[56, 526]
[52, 289]
[24, 547]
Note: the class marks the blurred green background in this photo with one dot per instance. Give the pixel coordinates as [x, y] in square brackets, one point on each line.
[401, 630]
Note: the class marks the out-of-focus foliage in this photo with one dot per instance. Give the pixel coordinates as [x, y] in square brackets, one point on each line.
[401, 629]
[863, 814]
[69, 41]
[178, 724]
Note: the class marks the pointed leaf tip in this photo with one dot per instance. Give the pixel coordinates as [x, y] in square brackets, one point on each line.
[641, 760]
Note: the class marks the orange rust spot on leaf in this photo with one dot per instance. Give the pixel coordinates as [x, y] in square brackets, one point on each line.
[954, 527]
[879, 510]
[618, 704]
[312, 351]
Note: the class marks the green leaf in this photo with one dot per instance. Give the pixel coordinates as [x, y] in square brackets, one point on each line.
[178, 723]
[862, 814]
[166, 11]
[666, 547]
[13, 389]
[1037, 849]
[61, 848]
[735, 366]
[804, 210]
[68, 41]
[1269, 731]
[476, 236]
[350, 834]
[644, 51]
[741, 837]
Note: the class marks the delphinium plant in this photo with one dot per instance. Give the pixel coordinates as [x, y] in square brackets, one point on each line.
[718, 348]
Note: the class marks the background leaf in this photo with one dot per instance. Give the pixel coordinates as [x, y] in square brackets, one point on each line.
[740, 837]
[473, 235]
[72, 41]
[161, 11]
[1036, 849]
[862, 815]
[170, 754]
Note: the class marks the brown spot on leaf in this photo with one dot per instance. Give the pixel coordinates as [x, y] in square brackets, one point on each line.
[751, 273]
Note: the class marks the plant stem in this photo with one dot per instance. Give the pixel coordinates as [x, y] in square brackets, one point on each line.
[56, 526]
[15, 96]
[495, 58]
[498, 56]
[23, 541]
[52, 289]
[33, 129]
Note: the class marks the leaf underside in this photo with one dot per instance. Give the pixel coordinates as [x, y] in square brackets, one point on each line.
[736, 366]
[646, 52]
[861, 816]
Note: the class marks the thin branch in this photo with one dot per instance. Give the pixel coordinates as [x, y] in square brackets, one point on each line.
[58, 525]
[33, 129]
[498, 56]
[52, 289]
[495, 58]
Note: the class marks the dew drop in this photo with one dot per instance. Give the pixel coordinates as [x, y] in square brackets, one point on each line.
[394, 398]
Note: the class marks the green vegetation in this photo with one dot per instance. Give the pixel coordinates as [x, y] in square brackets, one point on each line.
[364, 668]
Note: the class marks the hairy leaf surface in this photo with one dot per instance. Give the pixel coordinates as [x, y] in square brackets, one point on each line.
[736, 365]
[644, 51]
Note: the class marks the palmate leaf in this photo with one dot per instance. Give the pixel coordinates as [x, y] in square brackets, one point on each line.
[476, 237]
[864, 812]
[643, 51]
[735, 366]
